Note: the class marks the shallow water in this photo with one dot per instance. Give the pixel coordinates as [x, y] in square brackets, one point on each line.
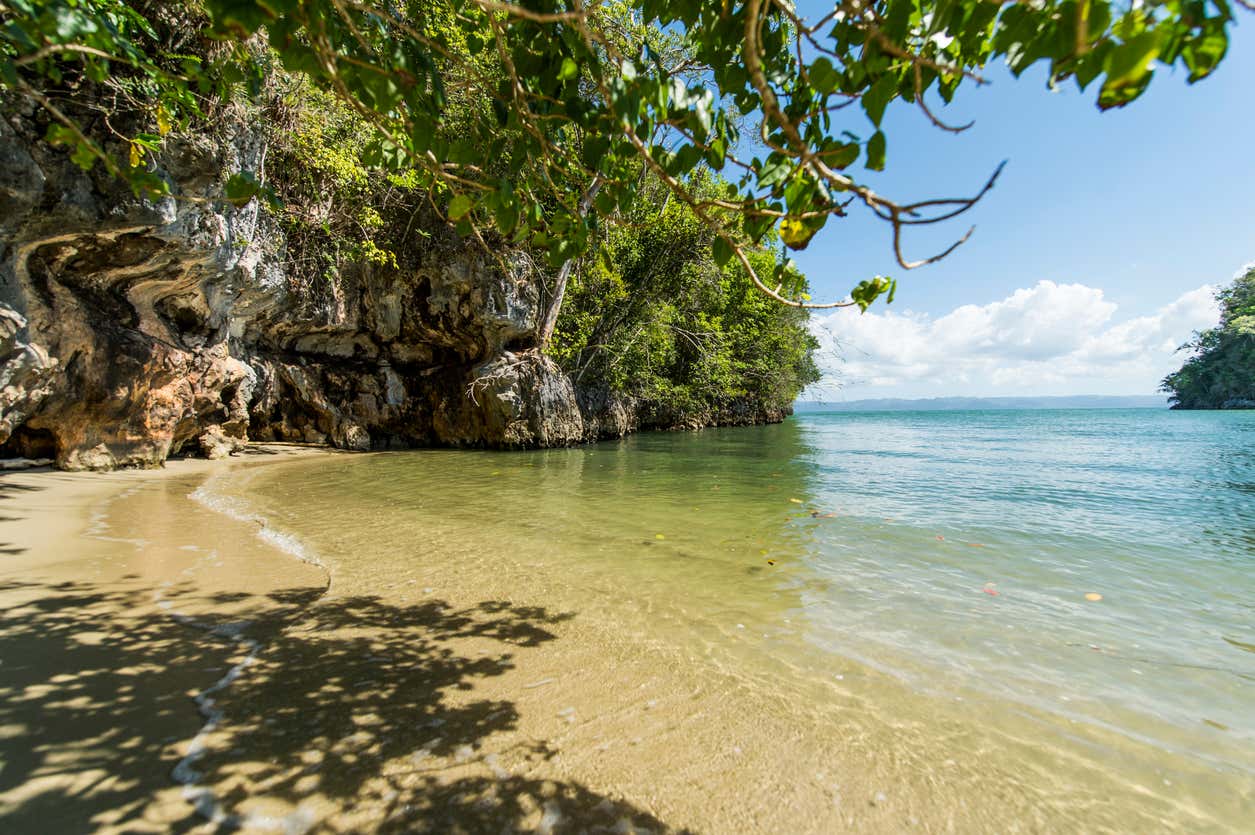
[906, 592]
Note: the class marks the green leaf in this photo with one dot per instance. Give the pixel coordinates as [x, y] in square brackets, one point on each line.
[1128, 70]
[506, 216]
[843, 155]
[1203, 55]
[877, 98]
[241, 188]
[721, 251]
[774, 172]
[568, 70]
[717, 153]
[796, 233]
[824, 76]
[238, 18]
[460, 206]
[868, 291]
[876, 151]
[84, 156]
[1119, 96]
[58, 134]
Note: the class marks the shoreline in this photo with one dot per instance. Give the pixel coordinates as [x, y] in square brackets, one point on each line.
[389, 705]
[228, 616]
[161, 620]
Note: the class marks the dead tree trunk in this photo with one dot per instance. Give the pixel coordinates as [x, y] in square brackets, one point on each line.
[550, 321]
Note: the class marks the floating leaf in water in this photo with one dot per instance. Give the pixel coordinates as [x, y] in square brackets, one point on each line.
[659, 536]
[990, 590]
[974, 545]
[1215, 724]
[771, 562]
[796, 501]
[940, 538]
[1093, 597]
[1239, 644]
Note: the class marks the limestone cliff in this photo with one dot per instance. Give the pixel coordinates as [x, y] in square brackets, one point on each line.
[133, 330]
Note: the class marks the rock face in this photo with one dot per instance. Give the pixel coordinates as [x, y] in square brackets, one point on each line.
[132, 330]
[26, 373]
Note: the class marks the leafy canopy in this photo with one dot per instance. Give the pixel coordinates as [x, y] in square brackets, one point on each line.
[580, 98]
[654, 317]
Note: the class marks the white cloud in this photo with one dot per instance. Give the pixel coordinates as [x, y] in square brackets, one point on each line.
[1046, 339]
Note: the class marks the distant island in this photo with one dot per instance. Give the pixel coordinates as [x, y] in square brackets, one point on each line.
[955, 404]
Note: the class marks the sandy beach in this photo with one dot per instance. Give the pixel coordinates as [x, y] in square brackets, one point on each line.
[168, 669]
[172, 660]
[110, 632]
[148, 685]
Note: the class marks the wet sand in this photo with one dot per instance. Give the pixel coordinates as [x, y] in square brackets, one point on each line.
[166, 667]
[108, 633]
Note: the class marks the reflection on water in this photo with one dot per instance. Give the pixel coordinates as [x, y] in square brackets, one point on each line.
[1074, 585]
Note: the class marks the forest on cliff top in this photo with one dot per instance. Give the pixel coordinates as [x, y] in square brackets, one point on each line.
[660, 158]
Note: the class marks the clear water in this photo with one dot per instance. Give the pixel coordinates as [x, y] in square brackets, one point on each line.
[944, 555]
[1153, 510]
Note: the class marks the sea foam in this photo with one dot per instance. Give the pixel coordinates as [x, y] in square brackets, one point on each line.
[240, 510]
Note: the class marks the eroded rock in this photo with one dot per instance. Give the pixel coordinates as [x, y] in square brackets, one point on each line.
[513, 400]
[132, 330]
[26, 373]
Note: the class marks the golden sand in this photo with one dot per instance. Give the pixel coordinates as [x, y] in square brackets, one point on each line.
[167, 667]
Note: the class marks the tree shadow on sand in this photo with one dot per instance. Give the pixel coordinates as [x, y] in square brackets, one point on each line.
[346, 715]
[10, 489]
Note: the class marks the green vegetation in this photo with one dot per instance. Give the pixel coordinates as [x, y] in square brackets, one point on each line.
[657, 318]
[334, 209]
[660, 155]
[571, 101]
[1220, 372]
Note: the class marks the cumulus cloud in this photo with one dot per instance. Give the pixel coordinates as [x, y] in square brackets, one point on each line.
[1046, 339]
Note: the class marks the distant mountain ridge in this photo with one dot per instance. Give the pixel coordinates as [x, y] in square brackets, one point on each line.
[954, 404]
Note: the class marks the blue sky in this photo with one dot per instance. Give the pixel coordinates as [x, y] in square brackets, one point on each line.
[1086, 266]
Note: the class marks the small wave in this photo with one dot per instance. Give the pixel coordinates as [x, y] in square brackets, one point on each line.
[202, 798]
[241, 511]
[207, 804]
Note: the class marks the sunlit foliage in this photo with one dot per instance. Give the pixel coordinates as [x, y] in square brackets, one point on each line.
[1220, 371]
[566, 103]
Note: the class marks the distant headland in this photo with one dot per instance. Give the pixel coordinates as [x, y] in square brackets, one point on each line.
[953, 404]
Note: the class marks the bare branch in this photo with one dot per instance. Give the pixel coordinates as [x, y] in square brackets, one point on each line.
[54, 49]
[923, 105]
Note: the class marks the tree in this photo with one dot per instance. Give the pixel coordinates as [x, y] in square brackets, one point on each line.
[1220, 372]
[655, 318]
[573, 102]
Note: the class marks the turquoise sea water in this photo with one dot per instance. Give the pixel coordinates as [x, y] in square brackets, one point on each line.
[1154, 510]
[952, 553]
